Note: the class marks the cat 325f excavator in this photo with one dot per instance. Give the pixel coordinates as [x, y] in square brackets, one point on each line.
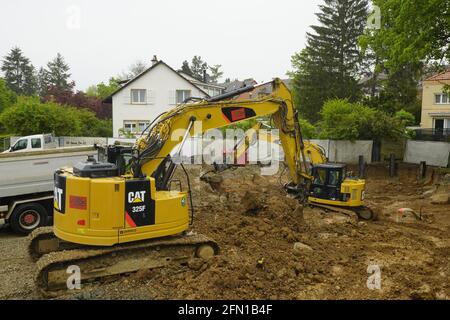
[107, 221]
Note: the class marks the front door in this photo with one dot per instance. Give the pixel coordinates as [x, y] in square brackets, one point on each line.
[439, 125]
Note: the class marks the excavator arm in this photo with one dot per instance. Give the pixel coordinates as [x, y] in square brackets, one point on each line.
[153, 149]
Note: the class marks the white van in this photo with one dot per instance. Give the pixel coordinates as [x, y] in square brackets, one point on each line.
[33, 143]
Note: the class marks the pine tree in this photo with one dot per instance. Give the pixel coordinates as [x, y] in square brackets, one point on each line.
[19, 73]
[198, 67]
[42, 82]
[57, 75]
[329, 66]
[216, 73]
[186, 69]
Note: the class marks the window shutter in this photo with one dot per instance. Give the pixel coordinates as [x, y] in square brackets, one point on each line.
[172, 97]
[150, 97]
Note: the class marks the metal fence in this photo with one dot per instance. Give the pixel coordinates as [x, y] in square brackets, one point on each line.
[442, 135]
[4, 144]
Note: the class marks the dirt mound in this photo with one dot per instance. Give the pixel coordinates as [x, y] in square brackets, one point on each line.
[273, 248]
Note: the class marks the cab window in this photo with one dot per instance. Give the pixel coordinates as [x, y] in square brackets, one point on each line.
[36, 143]
[335, 177]
[20, 145]
[320, 176]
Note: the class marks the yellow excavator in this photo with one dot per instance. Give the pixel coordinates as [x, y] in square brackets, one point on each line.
[109, 220]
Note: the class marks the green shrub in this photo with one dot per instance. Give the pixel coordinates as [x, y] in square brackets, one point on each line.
[29, 116]
[342, 120]
[308, 130]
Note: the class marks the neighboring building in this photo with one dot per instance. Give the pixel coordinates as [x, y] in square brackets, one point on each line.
[372, 86]
[436, 104]
[212, 89]
[156, 90]
[237, 84]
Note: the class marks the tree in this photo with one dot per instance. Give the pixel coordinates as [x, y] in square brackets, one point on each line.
[79, 100]
[308, 130]
[19, 73]
[186, 69]
[57, 75]
[413, 32]
[413, 36]
[330, 64]
[42, 82]
[103, 90]
[134, 70]
[399, 91]
[30, 116]
[216, 73]
[198, 67]
[406, 118]
[343, 120]
[7, 96]
[137, 68]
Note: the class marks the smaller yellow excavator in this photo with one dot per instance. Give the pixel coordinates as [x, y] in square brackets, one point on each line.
[112, 219]
[240, 157]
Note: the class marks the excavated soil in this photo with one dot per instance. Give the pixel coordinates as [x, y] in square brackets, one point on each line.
[272, 248]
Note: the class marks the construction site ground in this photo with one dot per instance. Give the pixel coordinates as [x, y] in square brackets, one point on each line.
[271, 249]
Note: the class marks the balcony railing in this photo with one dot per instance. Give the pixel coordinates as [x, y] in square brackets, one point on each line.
[432, 134]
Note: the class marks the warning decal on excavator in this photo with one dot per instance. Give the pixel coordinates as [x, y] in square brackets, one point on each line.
[139, 206]
[233, 114]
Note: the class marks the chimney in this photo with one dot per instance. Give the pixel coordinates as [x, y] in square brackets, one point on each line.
[205, 80]
[154, 60]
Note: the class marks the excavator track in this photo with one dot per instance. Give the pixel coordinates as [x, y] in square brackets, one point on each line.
[96, 263]
[356, 213]
[42, 241]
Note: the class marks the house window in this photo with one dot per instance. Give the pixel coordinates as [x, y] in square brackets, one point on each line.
[138, 96]
[129, 126]
[143, 125]
[441, 98]
[135, 126]
[183, 95]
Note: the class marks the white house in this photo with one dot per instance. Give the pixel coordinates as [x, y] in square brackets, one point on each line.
[156, 90]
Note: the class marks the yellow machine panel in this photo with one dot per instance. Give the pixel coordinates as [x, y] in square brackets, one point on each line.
[107, 211]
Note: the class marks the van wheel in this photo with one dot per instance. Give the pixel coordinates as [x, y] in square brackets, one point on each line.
[27, 217]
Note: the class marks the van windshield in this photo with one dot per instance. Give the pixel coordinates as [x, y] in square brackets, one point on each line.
[20, 145]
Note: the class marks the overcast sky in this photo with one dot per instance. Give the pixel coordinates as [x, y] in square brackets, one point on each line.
[101, 38]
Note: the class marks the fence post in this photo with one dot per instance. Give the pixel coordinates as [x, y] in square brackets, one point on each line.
[422, 170]
[392, 169]
[362, 167]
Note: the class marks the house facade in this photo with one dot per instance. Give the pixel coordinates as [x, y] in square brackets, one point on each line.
[436, 103]
[156, 90]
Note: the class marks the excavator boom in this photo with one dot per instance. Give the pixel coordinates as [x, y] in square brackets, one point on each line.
[155, 147]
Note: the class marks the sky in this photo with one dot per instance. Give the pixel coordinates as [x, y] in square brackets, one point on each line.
[102, 38]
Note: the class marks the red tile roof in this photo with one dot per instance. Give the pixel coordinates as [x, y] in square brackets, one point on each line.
[445, 75]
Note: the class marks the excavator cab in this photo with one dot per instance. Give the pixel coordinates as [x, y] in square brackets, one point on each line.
[327, 181]
[332, 189]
